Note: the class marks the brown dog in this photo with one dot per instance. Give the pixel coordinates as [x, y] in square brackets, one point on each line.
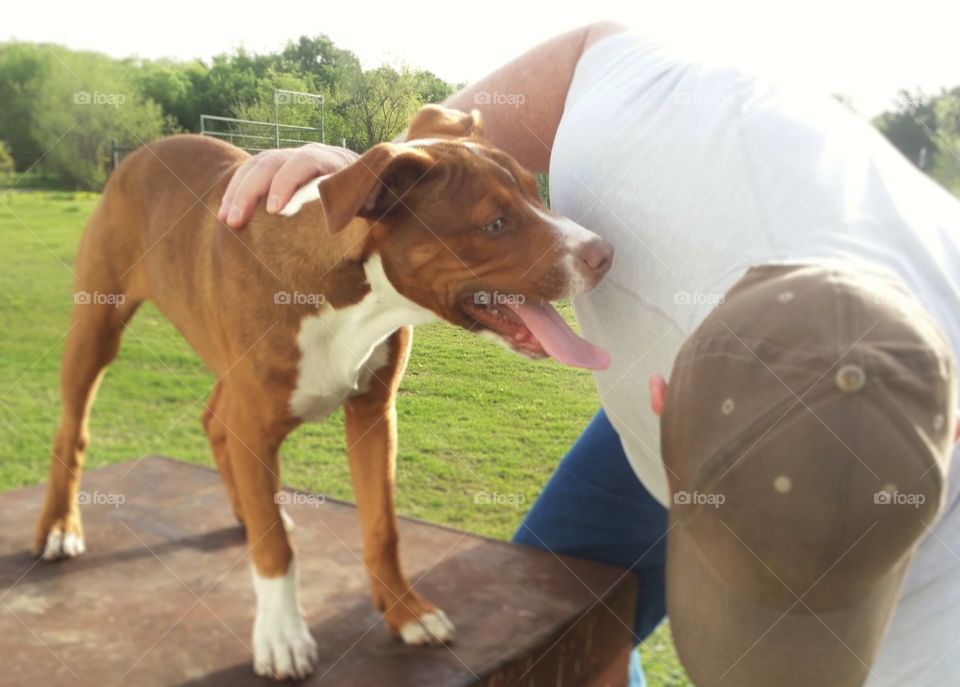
[304, 312]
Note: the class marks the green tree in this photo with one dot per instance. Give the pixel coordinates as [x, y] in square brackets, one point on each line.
[384, 100]
[62, 108]
[86, 100]
[170, 85]
[946, 165]
[911, 127]
[6, 164]
[431, 88]
[24, 70]
[331, 68]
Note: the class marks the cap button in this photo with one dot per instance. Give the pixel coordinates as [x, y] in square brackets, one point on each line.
[850, 379]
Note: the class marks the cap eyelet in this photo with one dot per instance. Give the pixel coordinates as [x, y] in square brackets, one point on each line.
[782, 484]
[785, 296]
[727, 406]
[850, 379]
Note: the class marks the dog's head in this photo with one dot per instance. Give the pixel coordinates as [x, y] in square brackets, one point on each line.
[461, 230]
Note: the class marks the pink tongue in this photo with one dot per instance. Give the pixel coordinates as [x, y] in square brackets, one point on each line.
[558, 339]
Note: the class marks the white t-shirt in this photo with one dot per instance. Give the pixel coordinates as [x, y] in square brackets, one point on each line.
[696, 172]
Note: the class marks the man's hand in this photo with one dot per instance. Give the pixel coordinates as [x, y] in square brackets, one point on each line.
[277, 174]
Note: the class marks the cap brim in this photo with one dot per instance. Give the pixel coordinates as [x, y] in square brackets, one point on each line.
[729, 637]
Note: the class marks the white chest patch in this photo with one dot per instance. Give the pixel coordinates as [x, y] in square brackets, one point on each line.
[342, 348]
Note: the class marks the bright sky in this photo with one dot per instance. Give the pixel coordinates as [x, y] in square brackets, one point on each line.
[866, 50]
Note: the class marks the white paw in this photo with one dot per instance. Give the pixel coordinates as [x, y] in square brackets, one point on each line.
[60, 545]
[284, 652]
[283, 647]
[432, 628]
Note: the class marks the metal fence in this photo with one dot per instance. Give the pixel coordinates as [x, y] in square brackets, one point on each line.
[254, 136]
[282, 96]
[117, 153]
[251, 135]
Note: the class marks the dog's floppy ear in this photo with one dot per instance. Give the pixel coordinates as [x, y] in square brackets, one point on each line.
[436, 120]
[372, 185]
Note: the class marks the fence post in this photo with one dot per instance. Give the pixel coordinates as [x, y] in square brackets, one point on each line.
[276, 118]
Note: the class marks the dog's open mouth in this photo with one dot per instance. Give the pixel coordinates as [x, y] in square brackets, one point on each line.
[537, 329]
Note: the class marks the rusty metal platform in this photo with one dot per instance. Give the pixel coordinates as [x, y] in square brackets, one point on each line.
[163, 596]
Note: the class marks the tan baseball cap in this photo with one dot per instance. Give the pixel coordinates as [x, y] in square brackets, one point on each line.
[806, 433]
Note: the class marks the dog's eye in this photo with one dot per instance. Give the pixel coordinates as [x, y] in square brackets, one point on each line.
[495, 227]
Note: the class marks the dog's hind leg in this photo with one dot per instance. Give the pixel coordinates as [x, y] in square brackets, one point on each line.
[217, 434]
[101, 309]
[92, 342]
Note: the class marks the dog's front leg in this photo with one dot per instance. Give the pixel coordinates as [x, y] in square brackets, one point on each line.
[282, 645]
[371, 421]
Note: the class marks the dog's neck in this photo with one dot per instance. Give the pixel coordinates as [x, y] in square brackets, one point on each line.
[295, 248]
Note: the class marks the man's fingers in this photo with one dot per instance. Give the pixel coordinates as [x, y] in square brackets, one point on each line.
[227, 202]
[253, 186]
[346, 157]
[277, 174]
[294, 173]
[308, 163]
[287, 180]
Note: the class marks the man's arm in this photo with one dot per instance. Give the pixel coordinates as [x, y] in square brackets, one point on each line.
[542, 76]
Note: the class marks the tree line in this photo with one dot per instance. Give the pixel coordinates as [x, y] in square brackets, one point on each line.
[61, 110]
[926, 129]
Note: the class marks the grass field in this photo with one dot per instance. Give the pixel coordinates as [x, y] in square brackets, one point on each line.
[472, 417]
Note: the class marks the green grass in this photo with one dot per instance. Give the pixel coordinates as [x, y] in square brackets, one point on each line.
[472, 417]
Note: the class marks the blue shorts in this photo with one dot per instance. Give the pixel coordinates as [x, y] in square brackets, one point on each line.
[595, 507]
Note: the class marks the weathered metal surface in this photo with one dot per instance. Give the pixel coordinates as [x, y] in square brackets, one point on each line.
[163, 596]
